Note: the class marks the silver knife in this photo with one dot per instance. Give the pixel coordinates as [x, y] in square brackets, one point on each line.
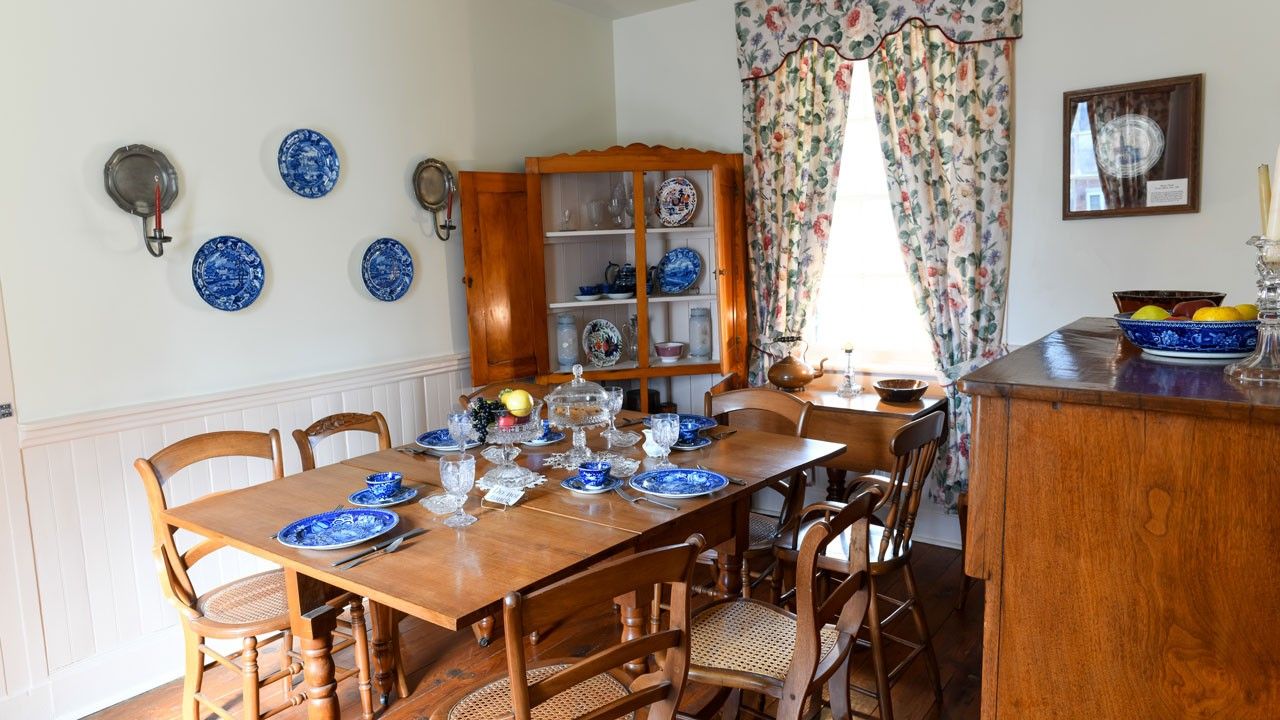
[378, 546]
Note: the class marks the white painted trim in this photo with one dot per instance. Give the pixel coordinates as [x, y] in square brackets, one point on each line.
[63, 429]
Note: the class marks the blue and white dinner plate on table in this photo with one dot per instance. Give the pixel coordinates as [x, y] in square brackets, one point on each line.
[701, 421]
[439, 439]
[698, 444]
[228, 273]
[574, 485]
[677, 199]
[308, 163]
[387, 269]
[679, 482]
[678, 270]
[366, 498]
[337, 528]
[550, 438]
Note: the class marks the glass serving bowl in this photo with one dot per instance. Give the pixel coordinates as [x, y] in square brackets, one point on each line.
[578, 405]
[504, 435]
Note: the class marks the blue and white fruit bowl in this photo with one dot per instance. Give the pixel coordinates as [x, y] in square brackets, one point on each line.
[1222, 340]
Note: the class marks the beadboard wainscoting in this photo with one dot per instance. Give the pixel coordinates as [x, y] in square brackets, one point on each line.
[86, 625]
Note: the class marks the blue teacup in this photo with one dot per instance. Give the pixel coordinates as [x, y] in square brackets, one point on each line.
[384, 484]
[588, 289]
[688, 432]
[546, 430]
[594, 474]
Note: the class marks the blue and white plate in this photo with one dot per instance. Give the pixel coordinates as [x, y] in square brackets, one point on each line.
[439, 439]
[677, 199]
[701, 421]
[337, 529]
[678, 270]
[698, 444]
[365, 498]
[602, 343]
[387, 269]
[679, 482]
[228, 273]
[1129, 145]
[550, 438]
[574, 485]
[308, 163]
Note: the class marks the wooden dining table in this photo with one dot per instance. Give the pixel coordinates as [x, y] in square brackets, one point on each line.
[454, 578]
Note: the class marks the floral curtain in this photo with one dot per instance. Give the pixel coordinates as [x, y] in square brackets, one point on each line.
[946, 118]
[794, 126]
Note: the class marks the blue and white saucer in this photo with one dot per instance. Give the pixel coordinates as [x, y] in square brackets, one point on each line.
[698, 444]
[550, 438]
[337, 529]
[365, 498]
[679, 482]
[439, 439]
[574, 485]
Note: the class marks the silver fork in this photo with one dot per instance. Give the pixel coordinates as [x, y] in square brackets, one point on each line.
[336, 508]
[633, 499]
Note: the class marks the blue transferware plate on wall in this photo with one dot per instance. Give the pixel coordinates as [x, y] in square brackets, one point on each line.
[308, 163]
[1225, 340]
[337, 529]
[366, 498]
[678, 270]
[679, 482]
[228, 273]
[387, 269]
[701, 422]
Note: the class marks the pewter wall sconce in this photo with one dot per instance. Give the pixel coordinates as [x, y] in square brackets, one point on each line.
[435, 187]
[143, 182]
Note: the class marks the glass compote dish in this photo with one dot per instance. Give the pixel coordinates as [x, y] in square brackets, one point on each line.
[666, 430]
[458, 474]
[504, 436]
[578, 405]
[1263, 366]
[614, 436]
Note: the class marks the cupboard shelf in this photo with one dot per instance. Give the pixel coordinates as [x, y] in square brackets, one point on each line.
[578, 305]
[556, 237]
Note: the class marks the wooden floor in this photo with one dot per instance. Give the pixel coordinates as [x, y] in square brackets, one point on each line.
[442, 662]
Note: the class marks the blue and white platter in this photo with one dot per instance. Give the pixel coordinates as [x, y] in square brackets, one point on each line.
[1190, 339]
[698, 444]
[574, 485]
[677, 199]
[365, 498]
[308, 163]
[678, 270]
[228, 273]
[679, 482]
[337, 529]
[439, 439]
[387, 269]
[701, 421]
[602, 343]
[550, 438]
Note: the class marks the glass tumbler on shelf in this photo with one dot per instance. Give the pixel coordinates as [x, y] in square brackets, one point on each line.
[1263, 366]
[595, 212]
[458, 474]
[566, 341]
[666, 430]
[700, 333]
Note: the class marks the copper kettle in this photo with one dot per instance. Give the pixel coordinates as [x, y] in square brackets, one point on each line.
[792, 373]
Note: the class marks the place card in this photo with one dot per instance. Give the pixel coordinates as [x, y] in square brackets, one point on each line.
[505, 496]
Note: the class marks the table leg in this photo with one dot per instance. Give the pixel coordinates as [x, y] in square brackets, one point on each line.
[730, 554]
[634, 607]
[312, 622]
[384, 656]
[835, 484]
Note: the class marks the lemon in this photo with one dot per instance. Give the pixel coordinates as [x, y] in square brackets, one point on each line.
[517, 402]
[1248, 311]
[1149, 312]
[1216, 314]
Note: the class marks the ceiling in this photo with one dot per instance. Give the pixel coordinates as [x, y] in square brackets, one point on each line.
[614, 9]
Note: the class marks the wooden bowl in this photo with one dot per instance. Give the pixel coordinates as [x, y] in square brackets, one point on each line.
[900, 390]
[1130, 300]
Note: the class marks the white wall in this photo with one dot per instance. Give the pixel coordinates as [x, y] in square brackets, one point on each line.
[96, 323]
[1060, 270]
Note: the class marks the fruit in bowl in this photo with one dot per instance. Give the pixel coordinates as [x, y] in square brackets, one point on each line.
[518, 402]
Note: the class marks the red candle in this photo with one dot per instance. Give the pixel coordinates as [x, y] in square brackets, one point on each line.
[159, 224]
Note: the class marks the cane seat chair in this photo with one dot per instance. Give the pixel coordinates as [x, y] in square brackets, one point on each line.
[749, 645]
[914, 446]
[245, 609]
[307, 440]
[594, 686]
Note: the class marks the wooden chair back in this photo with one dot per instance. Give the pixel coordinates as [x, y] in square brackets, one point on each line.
[490, 392]
[915, 447]
[159, 468]
[339, 423]
[660, 690]
[817, 603]
[784, 413]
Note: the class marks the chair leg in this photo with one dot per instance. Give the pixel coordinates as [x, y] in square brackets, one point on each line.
[732, 706]
[484, 631]
[286, 647]
[249, 668]
[360, 635]
[962, 510]
[838, 689]
[922, 627]
[194, 677]
[877, 654]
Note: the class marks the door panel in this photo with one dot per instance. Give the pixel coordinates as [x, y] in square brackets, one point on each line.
[504, 280]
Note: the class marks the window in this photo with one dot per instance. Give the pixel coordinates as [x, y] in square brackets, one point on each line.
[865, 297]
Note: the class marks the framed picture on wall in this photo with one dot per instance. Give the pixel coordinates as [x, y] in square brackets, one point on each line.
[1132, 149]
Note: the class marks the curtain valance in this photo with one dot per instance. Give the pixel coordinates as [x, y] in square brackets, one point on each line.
[770, 31]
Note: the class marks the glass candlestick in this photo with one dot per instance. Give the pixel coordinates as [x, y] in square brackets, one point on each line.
[1263, 366]
[847, 387]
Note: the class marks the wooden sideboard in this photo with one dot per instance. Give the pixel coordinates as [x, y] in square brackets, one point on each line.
[1125, 513]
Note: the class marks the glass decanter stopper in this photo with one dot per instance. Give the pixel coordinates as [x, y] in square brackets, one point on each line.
[1263, 366]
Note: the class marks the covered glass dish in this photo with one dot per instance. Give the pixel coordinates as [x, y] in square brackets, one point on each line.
[578, 405]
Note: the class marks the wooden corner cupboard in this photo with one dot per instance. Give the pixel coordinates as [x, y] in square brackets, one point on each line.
[1125, 513]
[530, 240]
